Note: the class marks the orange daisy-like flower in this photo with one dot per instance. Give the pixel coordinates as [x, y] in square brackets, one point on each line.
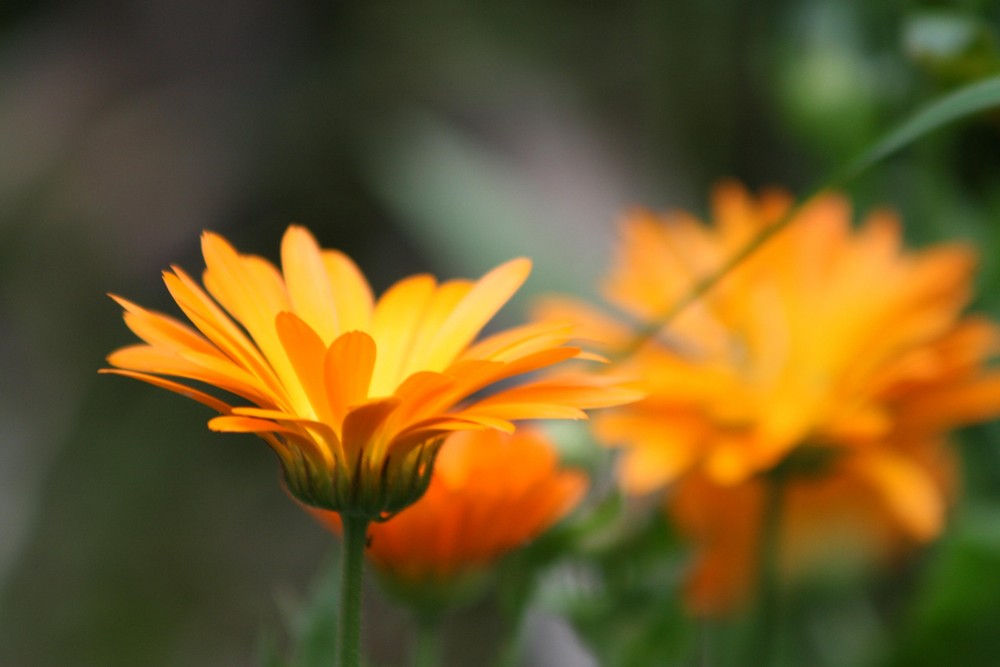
[490, 493]
[831, 346]
[353, 394]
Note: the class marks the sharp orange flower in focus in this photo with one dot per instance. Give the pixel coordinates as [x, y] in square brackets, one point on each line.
[353, 394]
[831, 351]
[490, 493]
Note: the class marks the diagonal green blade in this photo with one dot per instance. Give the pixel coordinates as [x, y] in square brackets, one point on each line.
[964, 102]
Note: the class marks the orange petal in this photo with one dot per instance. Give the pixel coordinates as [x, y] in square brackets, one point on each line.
[908, 491]
[394, 322]
[265, 428]
[659, 447]
[581, 393]
[424, 394]
[308, 283]
[482, 302]
[352, 295]
[454, 422]
[520, 341]
[360, 428]
[158, 329]
[146, 359]
[305, 350]
[427, 336]
[217, 327]
[516, 411]
[183, 390]
[252, 290]
[347, 370]
[235, 424]
[963, 403]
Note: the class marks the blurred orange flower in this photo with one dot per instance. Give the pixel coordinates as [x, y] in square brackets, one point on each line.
[839, 520]
[353, 394]
[831, 346]
[490, 493]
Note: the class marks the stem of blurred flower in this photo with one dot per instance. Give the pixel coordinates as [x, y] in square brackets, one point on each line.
[510, 651]
[704, 644]
[513, 646]
[355, 537]
[428, 651]
[520, 592]
[968, 100]
[766, 624]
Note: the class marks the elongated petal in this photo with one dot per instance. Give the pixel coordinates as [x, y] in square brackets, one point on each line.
[526, 410]
[438, 426]
[217, 327]
[161, 330]
[309, 286]
[579, 393]
[396, 318]
[306, 351]
[252, 290]
[481, 303]
[425, 393]
[352, 296]
[177, 388]
[266, 428]
[427, 336]
[347, 370]
[520, 341]
[907, 490]
[146, 359]
[362, 424]
[236, 424]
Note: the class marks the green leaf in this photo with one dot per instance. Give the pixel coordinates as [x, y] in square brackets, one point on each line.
[953, 622]
[310, 624]
[964, 102]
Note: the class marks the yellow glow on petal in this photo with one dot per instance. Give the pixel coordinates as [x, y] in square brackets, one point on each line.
[352, 296]
[308, 283]
[397, 315]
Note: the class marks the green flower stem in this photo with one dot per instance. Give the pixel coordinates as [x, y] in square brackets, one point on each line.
[510, 654]
[705, 640]
[766, 627]
[352, 573]
[428, 651]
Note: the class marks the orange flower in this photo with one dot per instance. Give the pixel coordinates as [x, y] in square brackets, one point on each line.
[490, 493]
[831, 346]
[353, 394]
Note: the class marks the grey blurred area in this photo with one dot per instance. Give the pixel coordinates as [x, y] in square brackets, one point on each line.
[433, 135]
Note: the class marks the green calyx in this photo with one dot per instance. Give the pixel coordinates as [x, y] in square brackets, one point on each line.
[373, 489]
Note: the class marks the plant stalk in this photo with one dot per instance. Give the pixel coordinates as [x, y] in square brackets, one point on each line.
[767, 620]
[428, 651]
[355, 537]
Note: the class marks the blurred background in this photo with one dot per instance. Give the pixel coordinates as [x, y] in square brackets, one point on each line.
[434, 135]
